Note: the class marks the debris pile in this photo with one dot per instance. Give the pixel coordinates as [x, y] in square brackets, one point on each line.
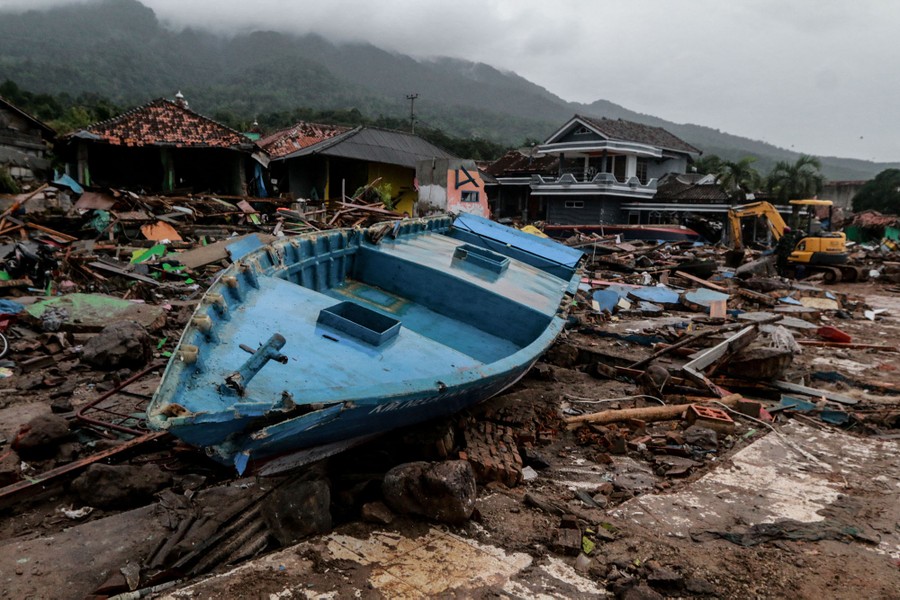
[672, 364]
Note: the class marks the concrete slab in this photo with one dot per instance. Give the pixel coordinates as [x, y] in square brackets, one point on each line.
[74, 562]
[437, 563]
[805, 475]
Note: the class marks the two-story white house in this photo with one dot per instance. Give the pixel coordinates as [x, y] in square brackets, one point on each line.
[606, 168]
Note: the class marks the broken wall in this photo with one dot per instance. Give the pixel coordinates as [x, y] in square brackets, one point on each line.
[450, 185]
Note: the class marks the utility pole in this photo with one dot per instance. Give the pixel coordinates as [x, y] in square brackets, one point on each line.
[412, 114]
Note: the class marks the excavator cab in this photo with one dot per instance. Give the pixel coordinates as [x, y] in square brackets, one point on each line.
[816, 245]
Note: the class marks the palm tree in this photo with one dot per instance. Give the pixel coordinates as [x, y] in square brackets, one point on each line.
[801, 179]
[737, 179]
[708, 164]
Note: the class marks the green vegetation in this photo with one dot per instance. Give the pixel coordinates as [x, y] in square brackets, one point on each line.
[800, 179]
[66, 114]
[60, 111]
[881, 194]
[739, 178]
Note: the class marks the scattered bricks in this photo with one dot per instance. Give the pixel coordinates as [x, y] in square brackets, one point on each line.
[637, 426]
[606, 488]
[617, 444]
[749, 408]
[568, 522]
[674, 438]
[9, 467]
[566, 541]
[38, 362]
[711, 418]
[635, 443]
[492, 452]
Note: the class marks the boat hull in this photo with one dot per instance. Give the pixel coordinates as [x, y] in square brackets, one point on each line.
[343, 334]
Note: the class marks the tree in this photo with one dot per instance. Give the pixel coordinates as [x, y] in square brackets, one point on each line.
[737, 179]
[800, 179]
[708, 165]
[881, 194]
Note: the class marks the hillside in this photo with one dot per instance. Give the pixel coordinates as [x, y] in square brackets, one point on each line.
[119, 49]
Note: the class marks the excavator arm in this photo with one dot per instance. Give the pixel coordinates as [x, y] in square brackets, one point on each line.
[774, 220]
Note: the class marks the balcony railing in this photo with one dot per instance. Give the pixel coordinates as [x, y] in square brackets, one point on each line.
[593, 183]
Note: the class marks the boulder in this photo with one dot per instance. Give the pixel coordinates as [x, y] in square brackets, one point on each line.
[297, 510]
[120, 344]
[42, 434]
[443, 492]
[115, 486]
[376, 512]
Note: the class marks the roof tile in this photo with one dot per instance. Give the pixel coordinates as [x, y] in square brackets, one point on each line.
[298, 136]
[163, 122]
[620, 129]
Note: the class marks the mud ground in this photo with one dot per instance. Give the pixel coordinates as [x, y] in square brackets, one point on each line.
[658, 536]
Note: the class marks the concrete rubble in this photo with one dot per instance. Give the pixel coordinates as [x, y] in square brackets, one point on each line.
[693, 433]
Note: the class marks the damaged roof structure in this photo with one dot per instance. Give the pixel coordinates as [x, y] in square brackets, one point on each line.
[163, 146]
[25, 143]
[346, 161]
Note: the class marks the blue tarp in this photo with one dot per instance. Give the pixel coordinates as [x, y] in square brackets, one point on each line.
[66, 181]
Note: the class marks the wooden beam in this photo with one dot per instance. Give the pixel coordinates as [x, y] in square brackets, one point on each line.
[648, 414]
[702, 282]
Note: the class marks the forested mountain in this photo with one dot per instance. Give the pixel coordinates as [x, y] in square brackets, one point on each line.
[118, 49]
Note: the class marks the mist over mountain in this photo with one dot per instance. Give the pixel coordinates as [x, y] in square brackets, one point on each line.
[120, 50]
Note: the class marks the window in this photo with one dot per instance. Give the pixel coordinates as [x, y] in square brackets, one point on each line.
[641, 170]
[582, 131]
[574, 204]
[469, 196]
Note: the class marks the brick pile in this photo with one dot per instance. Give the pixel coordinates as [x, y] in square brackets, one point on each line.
[491, 450]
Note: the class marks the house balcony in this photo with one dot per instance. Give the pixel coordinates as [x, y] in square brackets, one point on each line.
[590, 184]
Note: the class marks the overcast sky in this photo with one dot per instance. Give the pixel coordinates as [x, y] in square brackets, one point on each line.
[815, 76]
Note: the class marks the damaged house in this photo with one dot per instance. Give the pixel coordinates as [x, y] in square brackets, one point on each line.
[163, 146]
[593, 171]
[332, 164]
[24, 143]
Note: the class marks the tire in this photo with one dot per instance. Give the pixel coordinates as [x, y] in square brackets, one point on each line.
[4, 345]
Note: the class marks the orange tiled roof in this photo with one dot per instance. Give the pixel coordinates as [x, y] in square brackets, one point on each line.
[298, 136]
[162, 122]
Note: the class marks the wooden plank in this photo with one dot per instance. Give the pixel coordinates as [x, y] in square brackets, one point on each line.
[702, 282]
[648, 414]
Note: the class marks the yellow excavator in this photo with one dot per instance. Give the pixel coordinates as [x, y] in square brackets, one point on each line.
[814, 251]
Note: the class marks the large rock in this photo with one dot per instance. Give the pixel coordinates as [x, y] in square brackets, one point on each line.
[297, 510]
[117, 486]
[42, 434]
[121, 344]
[444, 491]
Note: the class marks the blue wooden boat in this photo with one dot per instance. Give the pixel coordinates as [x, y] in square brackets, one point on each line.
[342, 334]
